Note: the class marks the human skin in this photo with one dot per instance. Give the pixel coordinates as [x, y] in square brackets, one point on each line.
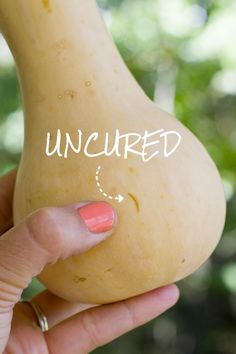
[44, 237]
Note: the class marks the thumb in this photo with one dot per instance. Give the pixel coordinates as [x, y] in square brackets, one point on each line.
[46, 236]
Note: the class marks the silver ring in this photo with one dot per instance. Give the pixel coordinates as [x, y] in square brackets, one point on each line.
[42, 319]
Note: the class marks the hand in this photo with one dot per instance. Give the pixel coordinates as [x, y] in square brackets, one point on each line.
[73, 328]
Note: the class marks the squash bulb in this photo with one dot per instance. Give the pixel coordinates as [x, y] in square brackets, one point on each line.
[72, 77]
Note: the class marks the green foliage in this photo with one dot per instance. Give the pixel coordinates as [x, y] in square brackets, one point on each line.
[183, 54]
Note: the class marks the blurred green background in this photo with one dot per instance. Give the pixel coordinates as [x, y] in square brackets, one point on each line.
[183, 53]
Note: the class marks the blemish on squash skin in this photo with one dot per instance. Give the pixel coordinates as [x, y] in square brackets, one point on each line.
[131, 170]
[77, 279]
[108, 270]
[68, 93]
[47, 5]
[183, 260]
[135, 201]
[88, 83]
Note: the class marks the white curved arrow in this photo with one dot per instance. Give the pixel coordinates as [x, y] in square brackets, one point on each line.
[119, 198]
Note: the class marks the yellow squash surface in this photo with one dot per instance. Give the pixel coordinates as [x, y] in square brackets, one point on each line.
[73, 78]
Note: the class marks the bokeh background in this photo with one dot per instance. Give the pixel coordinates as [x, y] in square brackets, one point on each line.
[183, 54]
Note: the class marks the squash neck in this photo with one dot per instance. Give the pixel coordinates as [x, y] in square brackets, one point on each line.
[57, 41]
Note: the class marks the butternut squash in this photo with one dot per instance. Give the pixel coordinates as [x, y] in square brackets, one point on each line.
[171, 210]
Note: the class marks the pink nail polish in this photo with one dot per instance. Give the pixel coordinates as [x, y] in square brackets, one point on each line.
[98, 216]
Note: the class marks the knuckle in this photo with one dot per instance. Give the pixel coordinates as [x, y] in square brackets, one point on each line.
[91, 328]
[130, 315]
[44, 231]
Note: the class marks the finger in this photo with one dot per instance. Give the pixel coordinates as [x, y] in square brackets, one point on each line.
[49, 235]
[55, 308]
[98, 326]
[46, 236]
[6, 195]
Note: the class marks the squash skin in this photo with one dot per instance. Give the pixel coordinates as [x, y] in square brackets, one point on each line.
[181, 203]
